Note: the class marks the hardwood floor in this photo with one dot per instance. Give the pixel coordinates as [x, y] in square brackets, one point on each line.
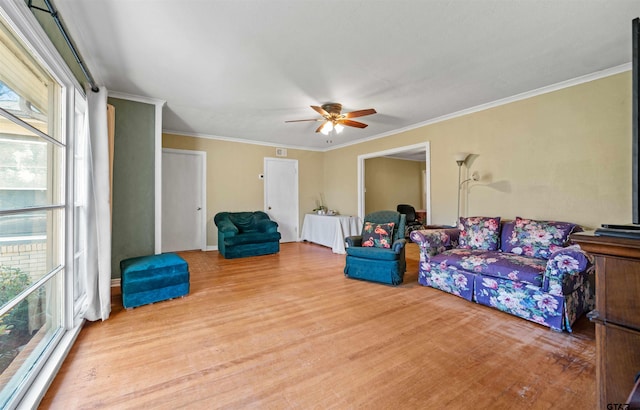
[290, 331]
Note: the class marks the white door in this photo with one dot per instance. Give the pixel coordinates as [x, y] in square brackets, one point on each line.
[281, 195]
[183, 200]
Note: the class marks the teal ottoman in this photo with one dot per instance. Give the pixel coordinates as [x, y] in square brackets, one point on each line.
[150, 279]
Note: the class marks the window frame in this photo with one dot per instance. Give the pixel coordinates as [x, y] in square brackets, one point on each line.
[71, 97]
[78, 302]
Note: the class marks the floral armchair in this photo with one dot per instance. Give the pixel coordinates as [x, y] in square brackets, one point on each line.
[523, 267]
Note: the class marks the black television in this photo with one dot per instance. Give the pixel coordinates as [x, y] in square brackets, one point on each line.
[635, 118]
[632, 230]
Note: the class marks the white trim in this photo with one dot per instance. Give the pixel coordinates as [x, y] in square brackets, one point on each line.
[518, 97]
[77, 306]
[203, 189]
[159, 104]
[115, 282]
[507, 100]
[240, 140]
[136, 98]
[361, 174]
[158, 177]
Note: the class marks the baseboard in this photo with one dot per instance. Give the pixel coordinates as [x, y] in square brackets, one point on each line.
[115, 282]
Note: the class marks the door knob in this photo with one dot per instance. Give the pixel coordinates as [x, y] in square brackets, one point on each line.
[269, 208]
[199, 208]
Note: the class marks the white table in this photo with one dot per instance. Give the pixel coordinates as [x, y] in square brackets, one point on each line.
[330, 230]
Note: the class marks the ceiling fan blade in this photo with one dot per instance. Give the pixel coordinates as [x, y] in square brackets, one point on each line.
[320, 127]
[359, 113]
[353, 123]
[320, 110]
[315, 119]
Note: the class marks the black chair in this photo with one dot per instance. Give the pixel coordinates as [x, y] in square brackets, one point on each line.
[413, 223]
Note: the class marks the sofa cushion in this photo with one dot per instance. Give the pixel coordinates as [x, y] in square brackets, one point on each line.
[495, 264]
[479, 232]
[373, 253]
[377, 235]
[528, 302]
[448, 279]
[252, 237]
[244, 221]
[538, 239]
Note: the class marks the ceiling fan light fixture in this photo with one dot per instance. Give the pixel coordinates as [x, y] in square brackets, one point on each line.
[327, 128]
[334, 120]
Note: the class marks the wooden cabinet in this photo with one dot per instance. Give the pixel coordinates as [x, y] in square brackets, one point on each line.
[617, 314]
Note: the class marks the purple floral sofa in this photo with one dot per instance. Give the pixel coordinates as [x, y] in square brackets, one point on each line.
[523, 267]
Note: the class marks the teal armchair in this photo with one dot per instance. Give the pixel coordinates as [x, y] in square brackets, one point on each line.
[378, 263]
[242, 234]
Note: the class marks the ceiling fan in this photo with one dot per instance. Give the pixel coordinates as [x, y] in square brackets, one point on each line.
[334, 120]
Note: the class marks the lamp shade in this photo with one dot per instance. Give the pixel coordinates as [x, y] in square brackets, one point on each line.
[461, 157]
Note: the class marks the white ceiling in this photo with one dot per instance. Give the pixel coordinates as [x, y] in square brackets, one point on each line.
[237, 69]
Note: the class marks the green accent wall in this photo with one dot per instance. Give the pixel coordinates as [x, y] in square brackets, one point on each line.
[133, 220]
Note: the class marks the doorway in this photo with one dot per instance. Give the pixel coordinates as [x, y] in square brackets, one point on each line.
[281, 195]
[184, 207]
[415, 152]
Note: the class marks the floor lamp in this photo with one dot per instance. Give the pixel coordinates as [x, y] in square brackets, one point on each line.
[460, 158]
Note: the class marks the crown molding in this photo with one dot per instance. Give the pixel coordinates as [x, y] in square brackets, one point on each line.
[137, 98]
[518, 97]
[240, 140]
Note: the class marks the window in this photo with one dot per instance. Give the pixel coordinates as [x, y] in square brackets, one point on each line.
[43, 156]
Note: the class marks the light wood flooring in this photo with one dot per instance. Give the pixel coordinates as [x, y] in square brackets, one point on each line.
[289, 331]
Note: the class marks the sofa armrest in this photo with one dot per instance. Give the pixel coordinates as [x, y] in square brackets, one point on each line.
[435, 241]
[564, 267]
[352, 241]
[227, 228]
[267, 226]
[398, 245]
